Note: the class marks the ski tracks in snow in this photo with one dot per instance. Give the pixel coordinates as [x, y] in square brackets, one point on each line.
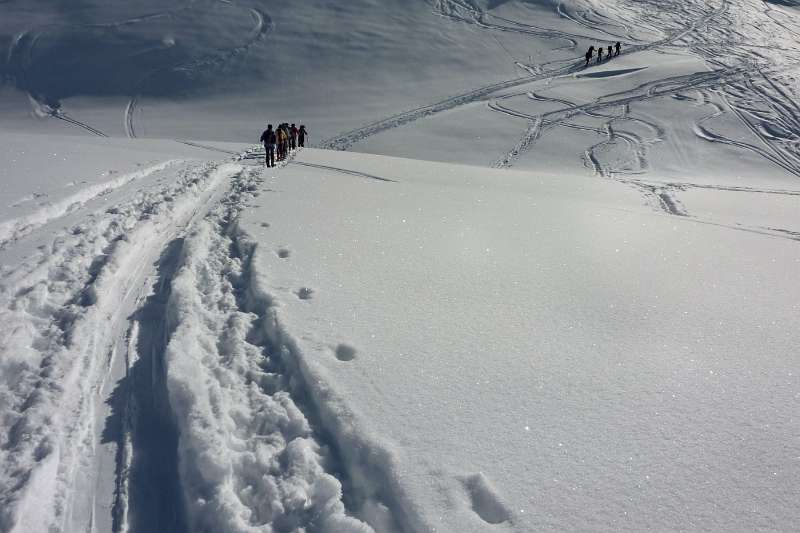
[755, 83]
[148, 384]
[63, 311]
[250, 448]
[15, 229]
[262, 25]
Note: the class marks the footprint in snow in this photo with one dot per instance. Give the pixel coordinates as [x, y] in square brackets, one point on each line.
[345, 352]
[485, 500]
[284, 253]
[304, 293]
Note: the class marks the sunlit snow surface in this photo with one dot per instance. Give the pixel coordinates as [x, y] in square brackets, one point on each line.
[599, 333]
[602, 367]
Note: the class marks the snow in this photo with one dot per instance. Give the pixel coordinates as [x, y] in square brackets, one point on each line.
[528, 347]
[248, 455]
[503, 291]
[61, 309]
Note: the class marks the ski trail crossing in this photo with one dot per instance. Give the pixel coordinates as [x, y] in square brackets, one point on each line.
[347, 140]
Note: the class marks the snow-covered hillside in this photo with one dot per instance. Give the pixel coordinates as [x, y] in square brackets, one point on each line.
[356, 341]
[504, 291]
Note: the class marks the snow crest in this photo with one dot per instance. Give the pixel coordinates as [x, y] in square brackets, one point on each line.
[249, 457]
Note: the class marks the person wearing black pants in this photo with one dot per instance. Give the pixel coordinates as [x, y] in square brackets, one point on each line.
[268, 140]
[302, 135]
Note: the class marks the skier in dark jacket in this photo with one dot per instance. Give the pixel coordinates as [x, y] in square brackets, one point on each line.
[617, 47]
[610, 53]
[599, 54]
[589, 54]
[303, 134]
[293, 136]
[268, 139]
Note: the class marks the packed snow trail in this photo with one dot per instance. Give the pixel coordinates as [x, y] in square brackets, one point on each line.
[64, 314]
[100, 398]
[248, 456]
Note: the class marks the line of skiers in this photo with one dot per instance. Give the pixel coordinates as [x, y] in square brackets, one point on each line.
[281, 140]
[612, 52]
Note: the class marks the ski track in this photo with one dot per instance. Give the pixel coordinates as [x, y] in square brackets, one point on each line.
[22, 46]
[262, 25]
[15, 229]
[130, 112]
[345, 141]
[105, 317]
[343, 171]
[208, 147]
[61, 313]
[261, 457]
[752, 81]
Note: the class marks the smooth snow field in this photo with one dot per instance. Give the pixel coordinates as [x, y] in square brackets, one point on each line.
[500, 289]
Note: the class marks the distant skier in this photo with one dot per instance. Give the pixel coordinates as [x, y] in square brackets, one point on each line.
[303, 134]
[589, 54]
[609, 52]
[617, 47]
[599, 54]
[293, 136]
[268, 140]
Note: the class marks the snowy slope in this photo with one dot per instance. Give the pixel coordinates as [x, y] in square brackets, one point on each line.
[581, 317]
[208, 70]
[356, 341]
[543, 353]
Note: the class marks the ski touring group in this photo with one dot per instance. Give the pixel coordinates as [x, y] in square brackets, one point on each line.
[280, 141]
[613, 51]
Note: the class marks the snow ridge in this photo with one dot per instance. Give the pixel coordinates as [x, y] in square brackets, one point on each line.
[249, 457]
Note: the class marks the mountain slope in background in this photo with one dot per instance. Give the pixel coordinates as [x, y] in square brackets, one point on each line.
[565, 302]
